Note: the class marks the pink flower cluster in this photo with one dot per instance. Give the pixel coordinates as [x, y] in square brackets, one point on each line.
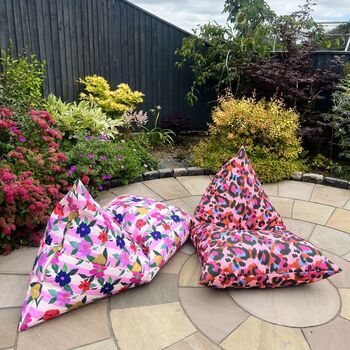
[32, 176]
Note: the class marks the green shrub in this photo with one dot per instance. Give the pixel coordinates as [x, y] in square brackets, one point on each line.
[76, 119]
[21, 82]
[97, 160]
[114, 102]
[265, 128]
[340, 116]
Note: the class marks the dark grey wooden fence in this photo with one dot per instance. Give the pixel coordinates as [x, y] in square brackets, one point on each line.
[111, 38]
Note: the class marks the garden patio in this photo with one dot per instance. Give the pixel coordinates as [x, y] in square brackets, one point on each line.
[175, 312]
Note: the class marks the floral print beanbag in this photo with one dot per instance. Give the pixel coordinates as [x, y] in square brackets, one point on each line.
[88, 253]
[159, 229]
[242, 241]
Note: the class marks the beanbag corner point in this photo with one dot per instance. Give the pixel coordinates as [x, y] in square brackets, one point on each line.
[242, 241]
[89, 252]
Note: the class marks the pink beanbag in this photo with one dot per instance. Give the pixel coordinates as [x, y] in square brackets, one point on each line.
[88, 253]
[242, 241]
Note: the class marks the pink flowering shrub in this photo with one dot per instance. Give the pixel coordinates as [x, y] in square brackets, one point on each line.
[32, 176]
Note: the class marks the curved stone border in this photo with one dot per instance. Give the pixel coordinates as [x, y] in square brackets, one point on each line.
[192, 171]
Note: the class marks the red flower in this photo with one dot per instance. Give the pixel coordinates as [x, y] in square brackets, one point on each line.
[90, 206]
[166, 227]
[85, 180]
[140, 223]
[58, 209]
[84, 286]
[51, 314]
[103, 236]
[160, 206]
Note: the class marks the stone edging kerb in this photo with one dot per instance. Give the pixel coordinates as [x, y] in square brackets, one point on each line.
[192, 171]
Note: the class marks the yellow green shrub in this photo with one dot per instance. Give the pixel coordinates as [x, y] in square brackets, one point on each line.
[114, 102]
[268, 131]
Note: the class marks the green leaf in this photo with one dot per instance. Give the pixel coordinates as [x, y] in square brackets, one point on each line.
[73, 272]
[52, 292]
[54, 268]
[65, 268]
[68, 288]
[101, 281]
[52, 300]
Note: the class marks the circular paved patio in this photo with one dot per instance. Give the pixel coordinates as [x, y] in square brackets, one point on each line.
[174, 312]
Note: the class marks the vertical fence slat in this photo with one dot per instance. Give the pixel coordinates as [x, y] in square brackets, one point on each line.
[113, 38]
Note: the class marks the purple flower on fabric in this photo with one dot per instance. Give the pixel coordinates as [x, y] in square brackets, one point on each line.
[48, 240]
[83, 230]
[104, 157]
[90, 156]
[107, 288]
[120, 242]
[175, 218]
[22, 139]
[84, 248]
[118, 218]
[62, 278]
[62, 298]
[156, 235]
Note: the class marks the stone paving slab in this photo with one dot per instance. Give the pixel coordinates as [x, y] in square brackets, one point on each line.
[137, 189]
[340, 220]
[175, 264]
[188, 248]
[341, 280]
[86, 325]
[167, 188]
[347, 205]
[335, 197]
[257, 334]
[104, 198]
[303, 229]
[334, 241]
[345, 297]
[312, 212]
[107, 344]
[271, 189]
[195, 341]
[190, 273]
[295, 190]
[179, 203]
[163, 289]
[212, 311]
[334, 335]
[284, 206]
[195, 185]
[12, 290]
[303, 306]
[151, 327]
[192, 202]
[8, 326]
[20, 261]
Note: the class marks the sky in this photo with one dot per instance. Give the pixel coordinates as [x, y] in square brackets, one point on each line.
[187, 14]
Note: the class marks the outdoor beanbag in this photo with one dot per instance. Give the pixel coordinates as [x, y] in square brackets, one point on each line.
[88, 253]
[242, 241]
